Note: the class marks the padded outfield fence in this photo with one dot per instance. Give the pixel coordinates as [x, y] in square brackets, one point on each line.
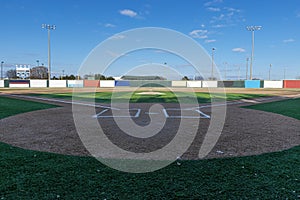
[144, 83]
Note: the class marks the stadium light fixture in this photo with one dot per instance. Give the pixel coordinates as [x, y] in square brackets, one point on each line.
[49, 27]
[252, 29]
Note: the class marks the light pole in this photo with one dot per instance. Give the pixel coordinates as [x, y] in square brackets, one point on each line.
[239, 76]
[252, 29]
[247, 61]
[270, 71]
[49, 27]
[2, 62]
[212, 63]
[225, 70]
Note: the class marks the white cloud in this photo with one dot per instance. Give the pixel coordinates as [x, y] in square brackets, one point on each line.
[201, 34]
[108, 25]
[232, 9]
[210, 41]
[227, 17]
[127, 12]
[117, 37]
[219, 26]
[289, 40]
[214, 9]
[239, 50]
[230, 14]
[219, 18]
[209, 3]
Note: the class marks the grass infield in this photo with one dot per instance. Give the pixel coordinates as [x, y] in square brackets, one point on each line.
[10, 106]
[290, 108]
[27, 174]
[167, 97]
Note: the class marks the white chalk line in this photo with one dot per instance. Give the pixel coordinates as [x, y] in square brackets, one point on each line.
[100, 115]
[64, 101]
[201, 114]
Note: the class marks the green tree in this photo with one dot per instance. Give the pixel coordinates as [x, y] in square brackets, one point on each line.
[39, 72]
[110, 78]
[11, 73]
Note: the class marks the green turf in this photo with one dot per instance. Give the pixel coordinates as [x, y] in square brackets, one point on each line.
[289, 107]
[29, 174]
[167, 97]
[34, 175]
[9, 106]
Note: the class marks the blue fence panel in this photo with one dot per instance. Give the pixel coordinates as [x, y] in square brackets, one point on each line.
[122, 83]
[252, 84]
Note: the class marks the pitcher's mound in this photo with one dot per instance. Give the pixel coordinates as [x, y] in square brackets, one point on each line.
[151, 93]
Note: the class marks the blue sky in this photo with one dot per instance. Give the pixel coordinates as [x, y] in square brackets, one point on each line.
[83, 24]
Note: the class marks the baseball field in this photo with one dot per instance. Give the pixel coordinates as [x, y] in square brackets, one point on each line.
[256, 155]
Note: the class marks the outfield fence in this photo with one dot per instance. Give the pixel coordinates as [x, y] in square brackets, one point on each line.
[144, 83]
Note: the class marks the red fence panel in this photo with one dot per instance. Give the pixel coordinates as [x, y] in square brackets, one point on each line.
[291, 83]
[91, 83]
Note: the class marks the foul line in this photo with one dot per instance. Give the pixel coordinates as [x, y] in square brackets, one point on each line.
[64, 101]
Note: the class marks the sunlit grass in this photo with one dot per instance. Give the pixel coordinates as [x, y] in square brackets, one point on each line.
[166, 97]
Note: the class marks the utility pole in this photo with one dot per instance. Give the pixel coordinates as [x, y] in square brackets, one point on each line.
[247, 61]
[270, 71]
[49, 27]
[239, 76]
[252, 29]
[225, 70]
[2, 62]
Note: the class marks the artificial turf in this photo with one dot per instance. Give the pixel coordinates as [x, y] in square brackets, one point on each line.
[167, 97]
[10, 106]
[290, 107]
[27, 174]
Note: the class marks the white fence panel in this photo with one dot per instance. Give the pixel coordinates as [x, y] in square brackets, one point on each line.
[38, 83]
[194, 84]
[211, 84]
[178, 83]
[273, 84]
[58, 83]
[107, 83]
